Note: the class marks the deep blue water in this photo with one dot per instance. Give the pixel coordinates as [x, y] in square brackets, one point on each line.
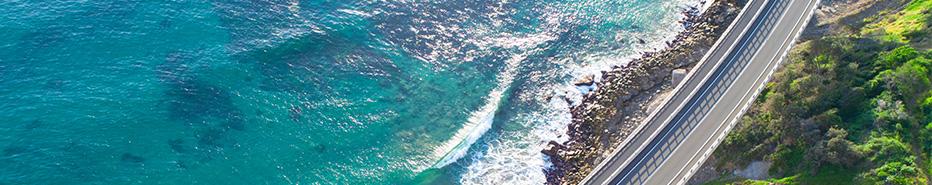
[302, 92]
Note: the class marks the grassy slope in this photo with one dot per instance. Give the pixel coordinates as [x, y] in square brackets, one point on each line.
[910, 25]
[845, 82]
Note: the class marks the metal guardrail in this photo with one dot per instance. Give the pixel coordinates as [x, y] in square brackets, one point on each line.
[679, 87]
[753, 94]
[717, 86]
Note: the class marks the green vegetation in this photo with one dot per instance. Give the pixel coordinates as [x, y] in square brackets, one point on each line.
[846, 108]
[911, 24]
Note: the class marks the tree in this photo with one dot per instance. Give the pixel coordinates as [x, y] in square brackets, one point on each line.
[896, 57]
[881, 149]
[839, 150]
[926, 137]
[895, 173]
[815, 156]
[911, 81]
[835, 149]
[888, 111]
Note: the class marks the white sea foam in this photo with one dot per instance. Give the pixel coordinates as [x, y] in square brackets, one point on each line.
[487, 39]
[517, 159]
[480, 121]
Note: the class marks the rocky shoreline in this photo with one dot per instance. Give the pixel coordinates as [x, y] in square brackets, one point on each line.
[626, 94]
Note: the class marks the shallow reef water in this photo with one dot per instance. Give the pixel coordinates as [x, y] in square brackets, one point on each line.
[302, 92]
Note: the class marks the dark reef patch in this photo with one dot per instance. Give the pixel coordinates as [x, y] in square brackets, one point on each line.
[303, 64]
[132, 158]
[236, 123]
[14, 150]
[177, 145]
[42, 39]
[32, 125]
[311, 63]
[211, 137]
[320, 148]
[197, 103]
[181, 164]
[207, 109]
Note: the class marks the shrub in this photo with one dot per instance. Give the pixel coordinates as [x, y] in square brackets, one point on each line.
[895, 173]
[881, 149]
[896, 57]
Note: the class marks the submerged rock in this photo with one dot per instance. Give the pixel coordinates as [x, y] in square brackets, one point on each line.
[177, 145]
[320, 148]
[33, 125]
[130, 158]
[14, 150]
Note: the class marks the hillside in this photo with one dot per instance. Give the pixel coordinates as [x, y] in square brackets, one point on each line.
[849, 106]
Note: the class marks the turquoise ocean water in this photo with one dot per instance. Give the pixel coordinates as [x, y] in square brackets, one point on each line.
[302, 92]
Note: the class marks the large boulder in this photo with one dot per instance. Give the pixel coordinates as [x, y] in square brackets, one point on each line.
[678, 75]
[586, 80]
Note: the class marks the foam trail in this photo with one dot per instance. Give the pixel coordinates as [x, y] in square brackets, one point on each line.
[479, 121]
[518, 160]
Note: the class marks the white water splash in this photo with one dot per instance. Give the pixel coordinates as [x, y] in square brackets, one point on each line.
[480, 121]
[517, 159]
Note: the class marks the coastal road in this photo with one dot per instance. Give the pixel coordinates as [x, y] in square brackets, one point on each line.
[674, 141]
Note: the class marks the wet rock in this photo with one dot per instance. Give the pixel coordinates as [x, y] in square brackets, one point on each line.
[586, 80]
[552, 148]
[606, 116]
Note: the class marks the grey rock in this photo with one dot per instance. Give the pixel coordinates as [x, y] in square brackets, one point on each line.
[586, 80]
[677, 75]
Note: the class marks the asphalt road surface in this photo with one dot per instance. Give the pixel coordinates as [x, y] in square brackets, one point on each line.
[674, 140]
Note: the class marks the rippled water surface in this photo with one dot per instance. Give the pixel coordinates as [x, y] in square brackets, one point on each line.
[302, 92]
